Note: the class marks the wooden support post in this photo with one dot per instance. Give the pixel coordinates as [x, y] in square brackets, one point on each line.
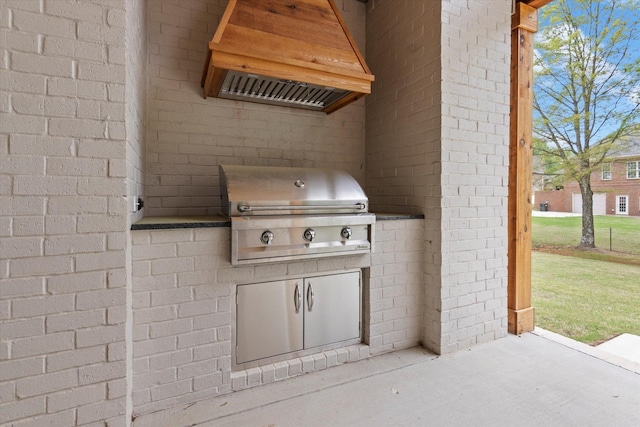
[523, 26]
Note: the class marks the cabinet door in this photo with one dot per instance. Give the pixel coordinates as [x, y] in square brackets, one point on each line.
[332, 309]
[267, 321]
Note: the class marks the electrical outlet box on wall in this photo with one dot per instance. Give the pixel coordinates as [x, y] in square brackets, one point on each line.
[136, 203]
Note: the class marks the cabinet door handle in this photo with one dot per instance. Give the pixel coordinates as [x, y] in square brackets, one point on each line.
[297, 298]
[310, 296]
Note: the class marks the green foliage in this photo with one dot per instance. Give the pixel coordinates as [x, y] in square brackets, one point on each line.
[546, 164]
[587, 78]
[587, 87]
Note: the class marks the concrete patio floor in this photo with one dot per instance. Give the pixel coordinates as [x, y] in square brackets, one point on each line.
[536, 379]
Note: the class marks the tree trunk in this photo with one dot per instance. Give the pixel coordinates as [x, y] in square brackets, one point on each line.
[588, 233]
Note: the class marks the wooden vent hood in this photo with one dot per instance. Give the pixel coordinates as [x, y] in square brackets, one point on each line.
[294, 53]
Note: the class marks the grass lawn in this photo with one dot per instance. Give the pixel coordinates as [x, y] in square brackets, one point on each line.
[589, 301]
[566, 232]
[588, 295]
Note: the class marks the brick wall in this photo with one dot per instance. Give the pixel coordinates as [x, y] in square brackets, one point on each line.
[181, 322]
[557, 200]
[437, 141]
[188, 136]
[475, 157]
[183, 287]
[75, 122]
[136, 121]
[183, 284]
[393, 298]
[403, 129]
[136, 100]
[62, 201]
[618, 185]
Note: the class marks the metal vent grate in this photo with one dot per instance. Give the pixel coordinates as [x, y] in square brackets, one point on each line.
[266, 90]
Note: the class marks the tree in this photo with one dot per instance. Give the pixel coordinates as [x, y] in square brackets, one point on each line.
[587, 87]
[546, 166]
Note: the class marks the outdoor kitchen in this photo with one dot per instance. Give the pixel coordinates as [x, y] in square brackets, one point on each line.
[277, 266]
[184, 227]
[277, 212]
[261, 256]
[302, 292]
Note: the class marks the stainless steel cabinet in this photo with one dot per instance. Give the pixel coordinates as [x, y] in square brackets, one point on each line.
[332, 311]
[281, 317]
[267, 322]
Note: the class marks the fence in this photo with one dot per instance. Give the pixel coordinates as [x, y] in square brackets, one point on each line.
[615, 234]
[618, 240]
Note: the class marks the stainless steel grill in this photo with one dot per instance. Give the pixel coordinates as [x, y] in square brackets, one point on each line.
[250, 87]
[282, 214]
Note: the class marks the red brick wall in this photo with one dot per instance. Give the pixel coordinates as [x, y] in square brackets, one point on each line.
[618, 185]
[557, 200]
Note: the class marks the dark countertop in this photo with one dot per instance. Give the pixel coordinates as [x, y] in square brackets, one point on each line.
[175, 222]
[393, 216]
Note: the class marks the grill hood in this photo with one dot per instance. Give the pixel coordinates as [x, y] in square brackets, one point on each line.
[262, 190]
[294, 53]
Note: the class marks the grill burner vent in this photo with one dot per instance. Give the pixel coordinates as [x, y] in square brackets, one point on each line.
[249, 87]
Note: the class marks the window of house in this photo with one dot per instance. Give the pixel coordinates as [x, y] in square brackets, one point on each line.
[633, 170]
[606, 171]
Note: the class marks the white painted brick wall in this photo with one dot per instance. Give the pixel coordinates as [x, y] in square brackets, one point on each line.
[72, 133]
[182, 288]
[136, 96]
[393, 298]
[404, 130]
[181, 339]
[62, 192]
[188, 136]
[437, 141]
[475, 153]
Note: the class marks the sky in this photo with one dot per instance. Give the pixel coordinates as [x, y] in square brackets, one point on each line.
[628, 99]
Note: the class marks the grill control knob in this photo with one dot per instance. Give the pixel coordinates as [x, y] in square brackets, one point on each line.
[267, 237]
[309, 234]
[346, 233]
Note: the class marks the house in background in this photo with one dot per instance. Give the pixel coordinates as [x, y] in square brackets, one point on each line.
[615, 186]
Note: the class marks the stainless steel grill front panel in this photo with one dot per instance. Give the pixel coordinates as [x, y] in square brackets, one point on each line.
[288, 237]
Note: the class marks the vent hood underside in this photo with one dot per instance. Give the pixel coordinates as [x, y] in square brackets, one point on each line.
[250, 87]
[295, 53]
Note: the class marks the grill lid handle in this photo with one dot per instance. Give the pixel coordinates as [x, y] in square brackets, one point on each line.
[249, 208]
